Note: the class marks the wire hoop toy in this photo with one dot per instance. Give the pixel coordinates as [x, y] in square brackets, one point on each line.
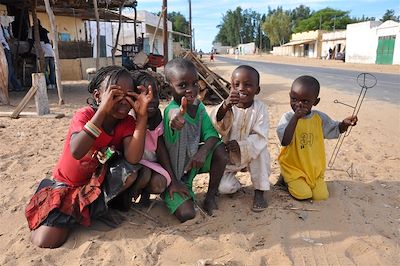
[365, 81]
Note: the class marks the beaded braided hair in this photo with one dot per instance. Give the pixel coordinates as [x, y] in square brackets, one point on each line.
[109, 73]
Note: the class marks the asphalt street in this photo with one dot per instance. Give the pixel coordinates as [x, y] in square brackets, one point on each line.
[387, 87]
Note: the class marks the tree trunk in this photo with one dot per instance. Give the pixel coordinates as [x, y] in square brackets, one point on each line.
[38, 47]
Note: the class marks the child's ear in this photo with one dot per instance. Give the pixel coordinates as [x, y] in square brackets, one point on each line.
[258, 90]
[317, 101]
[96, 94]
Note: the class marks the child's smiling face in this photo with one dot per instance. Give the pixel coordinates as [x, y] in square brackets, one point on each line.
[185, 83]
[247, 84]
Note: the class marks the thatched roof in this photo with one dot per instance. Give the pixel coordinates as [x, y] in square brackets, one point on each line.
[77, 4]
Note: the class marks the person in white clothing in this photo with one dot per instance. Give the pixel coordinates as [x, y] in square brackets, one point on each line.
[243, 123]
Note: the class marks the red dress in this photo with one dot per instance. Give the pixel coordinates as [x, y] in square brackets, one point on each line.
[81, 179]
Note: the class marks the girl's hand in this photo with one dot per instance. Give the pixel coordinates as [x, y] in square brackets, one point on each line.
[140, 101]
[197, 161]
[110, 97]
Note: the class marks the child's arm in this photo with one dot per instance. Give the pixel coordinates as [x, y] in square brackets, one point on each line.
[134, 146]
[227, 104]
[82, 142]
[291, 126]
[198, 160]
[348, 121]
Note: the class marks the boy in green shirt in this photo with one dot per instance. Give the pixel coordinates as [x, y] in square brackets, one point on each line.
[192, 142]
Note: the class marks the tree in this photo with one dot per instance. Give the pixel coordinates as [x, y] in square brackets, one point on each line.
[277, 26]
[325, 19]
[390, 15]
[298, 14]
[180, 24]
[238, 26]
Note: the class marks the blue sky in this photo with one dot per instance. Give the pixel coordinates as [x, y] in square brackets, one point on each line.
[207, 14]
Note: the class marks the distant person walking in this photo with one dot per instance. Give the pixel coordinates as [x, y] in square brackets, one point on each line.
[236, 53]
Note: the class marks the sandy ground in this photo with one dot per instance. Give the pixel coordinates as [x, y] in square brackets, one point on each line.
[358, 225]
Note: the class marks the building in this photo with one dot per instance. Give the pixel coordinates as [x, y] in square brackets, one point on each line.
[335, 40]
[303, 44]
[373, 42]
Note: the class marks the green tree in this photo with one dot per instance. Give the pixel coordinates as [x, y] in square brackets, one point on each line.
[180, 24]
[298, 14]
[325, 19]
[238, 26]
[277, 26]
[390, 15]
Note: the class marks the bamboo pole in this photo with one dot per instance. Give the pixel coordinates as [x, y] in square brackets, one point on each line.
[54, 35]
[96, 12]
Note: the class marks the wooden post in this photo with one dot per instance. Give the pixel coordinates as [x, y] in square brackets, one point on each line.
[38, 47]
[114, 49]
[96, 12]
[54, 36]
[165, 31]
[41, 100]
[4, 99]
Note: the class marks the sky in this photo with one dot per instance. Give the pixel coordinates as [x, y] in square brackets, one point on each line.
[207, 14]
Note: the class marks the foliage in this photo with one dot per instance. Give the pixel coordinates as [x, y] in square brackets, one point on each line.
[239, 26]
[180, 24]
[390, 15]
[325, 19]
[277, 26]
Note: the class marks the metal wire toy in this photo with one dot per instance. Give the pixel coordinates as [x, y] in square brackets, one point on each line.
[365, 81]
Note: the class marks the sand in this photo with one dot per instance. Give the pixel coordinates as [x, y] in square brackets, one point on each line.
[358, 225]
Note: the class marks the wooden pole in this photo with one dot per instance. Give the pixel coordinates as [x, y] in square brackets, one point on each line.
[38, 47]
[4, 98]
[54, 36]
[41, 100]
[96, 12]
[190, 25]
[165, 31]
[114, 49]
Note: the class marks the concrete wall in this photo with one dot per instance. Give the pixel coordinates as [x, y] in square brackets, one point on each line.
[75, 27]
[247, 48]
[75, 69]
[361, 42]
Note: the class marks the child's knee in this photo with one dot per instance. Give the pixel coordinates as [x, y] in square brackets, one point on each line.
[185, 212]
[299, 189]
[220, 155]
[49, 237]
[320, 192]
[157, 184]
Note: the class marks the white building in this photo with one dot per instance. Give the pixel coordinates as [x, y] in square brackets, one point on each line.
[146, 26]
[373, 42]
[335, 40]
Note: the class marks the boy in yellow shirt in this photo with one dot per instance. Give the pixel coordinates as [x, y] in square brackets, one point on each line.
[302, 133]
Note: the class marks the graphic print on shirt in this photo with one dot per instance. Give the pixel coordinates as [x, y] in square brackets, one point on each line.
[306, 139]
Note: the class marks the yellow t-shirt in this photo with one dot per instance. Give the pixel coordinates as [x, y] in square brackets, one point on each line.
[305, 155]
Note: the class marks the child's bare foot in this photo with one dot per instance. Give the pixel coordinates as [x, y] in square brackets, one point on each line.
[259, 202]
[281, 184]
[209, 204]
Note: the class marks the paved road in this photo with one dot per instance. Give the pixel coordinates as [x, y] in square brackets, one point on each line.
[386, 89]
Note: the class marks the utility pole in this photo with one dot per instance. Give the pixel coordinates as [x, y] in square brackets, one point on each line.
[165, 32]
[260, 48]
[194, 46]
[190, 25]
